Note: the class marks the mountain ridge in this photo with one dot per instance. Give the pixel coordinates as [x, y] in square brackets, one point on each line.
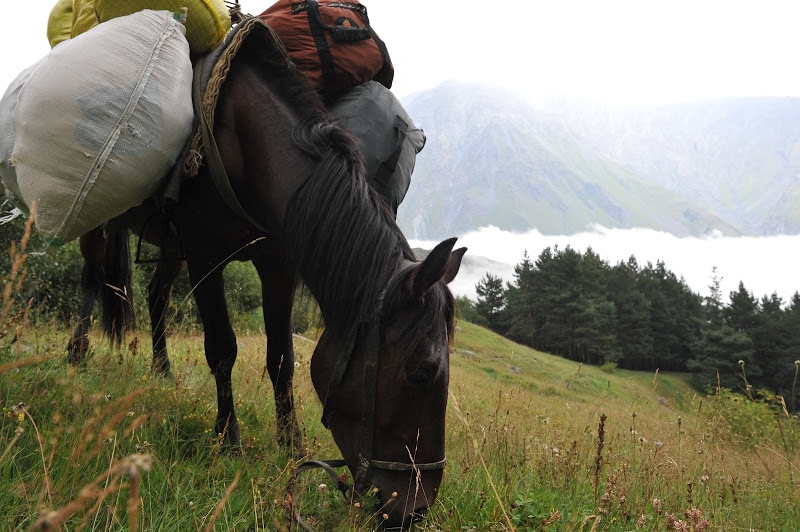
[493, 159]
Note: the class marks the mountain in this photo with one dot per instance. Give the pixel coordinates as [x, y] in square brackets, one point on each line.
[492, 159]
[739, 158]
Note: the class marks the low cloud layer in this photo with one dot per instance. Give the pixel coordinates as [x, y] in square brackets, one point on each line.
[766, 265]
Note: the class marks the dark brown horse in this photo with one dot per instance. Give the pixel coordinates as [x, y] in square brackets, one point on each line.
[106, 274]
[381, 367]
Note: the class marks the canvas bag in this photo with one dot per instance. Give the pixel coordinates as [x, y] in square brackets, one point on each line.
[207, 21]
[389, 140]
[8, 106]
[332, 43]
[101, 120]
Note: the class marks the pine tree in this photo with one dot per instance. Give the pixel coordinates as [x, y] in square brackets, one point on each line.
[491, 300]
[633, 333]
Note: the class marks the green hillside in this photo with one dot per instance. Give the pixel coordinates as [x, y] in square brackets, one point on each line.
[527, 449]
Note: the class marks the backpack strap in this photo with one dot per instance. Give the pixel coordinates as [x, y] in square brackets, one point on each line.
[321, 42]
[386, 74]
[387, 167]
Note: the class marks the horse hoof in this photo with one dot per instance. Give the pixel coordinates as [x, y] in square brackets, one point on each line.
[293, 443]
[159, 370]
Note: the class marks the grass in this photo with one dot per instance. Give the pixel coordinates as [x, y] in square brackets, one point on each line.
[535, 442]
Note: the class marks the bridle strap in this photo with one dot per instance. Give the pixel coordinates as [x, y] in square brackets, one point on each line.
[402, 466]
[332, 395]
[370, 391]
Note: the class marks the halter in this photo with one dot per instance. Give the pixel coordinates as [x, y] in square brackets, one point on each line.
[371, 332]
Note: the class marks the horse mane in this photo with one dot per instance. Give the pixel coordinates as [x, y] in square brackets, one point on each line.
[340, 233]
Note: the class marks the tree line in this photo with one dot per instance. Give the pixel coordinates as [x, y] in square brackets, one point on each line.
[578, 306]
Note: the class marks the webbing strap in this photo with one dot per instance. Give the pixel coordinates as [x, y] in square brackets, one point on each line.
[387, 167]
[321, 42]
[215, 166]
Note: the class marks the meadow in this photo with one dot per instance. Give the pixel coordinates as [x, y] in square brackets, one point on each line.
[535, 442]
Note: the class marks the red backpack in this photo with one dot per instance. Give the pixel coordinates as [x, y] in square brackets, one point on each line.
[331, 43]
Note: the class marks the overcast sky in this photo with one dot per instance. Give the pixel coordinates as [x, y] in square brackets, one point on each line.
[619, 52]
[615, 51]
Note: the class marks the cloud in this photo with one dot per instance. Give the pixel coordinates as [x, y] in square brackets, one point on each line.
[766, 265]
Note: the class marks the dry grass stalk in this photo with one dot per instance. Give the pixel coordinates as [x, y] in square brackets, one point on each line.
[221, 504]
[130, 466]
[122, 407]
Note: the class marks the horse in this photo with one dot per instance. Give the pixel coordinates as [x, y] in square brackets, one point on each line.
[381, 365]
[106, 274]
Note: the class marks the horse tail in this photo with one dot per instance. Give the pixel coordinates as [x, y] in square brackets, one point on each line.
[116, 292]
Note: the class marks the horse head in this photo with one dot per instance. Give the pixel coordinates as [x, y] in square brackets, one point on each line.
[391, 431]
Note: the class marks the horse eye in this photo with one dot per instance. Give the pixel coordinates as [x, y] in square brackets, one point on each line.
[421, 374]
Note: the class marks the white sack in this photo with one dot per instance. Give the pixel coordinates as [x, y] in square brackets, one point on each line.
[8, 106]
[101, 120]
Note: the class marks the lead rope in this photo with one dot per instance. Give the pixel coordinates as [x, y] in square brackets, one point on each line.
[235, 12]
[329, 466]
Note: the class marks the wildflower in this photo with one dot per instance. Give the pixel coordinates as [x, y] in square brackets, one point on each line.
[704, 478]
[741, 362]
[323, 487]
[658, 444]
[642, 440]
[641, 521]
[385, 517]
[657, 505]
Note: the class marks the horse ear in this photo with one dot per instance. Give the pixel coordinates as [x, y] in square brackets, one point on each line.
[454, 264]
[440, 264]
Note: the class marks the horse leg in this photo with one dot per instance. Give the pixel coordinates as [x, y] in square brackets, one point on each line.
[158, 294]
[220, 347]
[277, 290]
[93, 247]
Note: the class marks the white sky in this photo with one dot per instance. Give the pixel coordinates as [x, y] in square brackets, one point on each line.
[615, 51]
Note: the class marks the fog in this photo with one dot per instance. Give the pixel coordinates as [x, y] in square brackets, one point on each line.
[766, 265]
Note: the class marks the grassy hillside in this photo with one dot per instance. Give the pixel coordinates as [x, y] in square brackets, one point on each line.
[535, 442]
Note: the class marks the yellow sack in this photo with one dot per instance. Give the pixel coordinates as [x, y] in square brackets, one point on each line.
[84, 16]
[207, 21]
[59, 24]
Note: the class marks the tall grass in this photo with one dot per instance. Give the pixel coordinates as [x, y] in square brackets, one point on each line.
[534, 443]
